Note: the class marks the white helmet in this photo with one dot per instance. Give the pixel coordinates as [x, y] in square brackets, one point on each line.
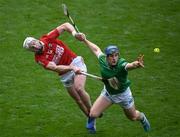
[27, 41]
[33, 45]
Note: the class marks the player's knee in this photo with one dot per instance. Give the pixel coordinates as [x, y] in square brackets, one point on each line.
[79, 101]
[94, 114]
[79, 88]
[132, 117]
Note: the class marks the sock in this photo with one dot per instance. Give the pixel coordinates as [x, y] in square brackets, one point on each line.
[141, 117]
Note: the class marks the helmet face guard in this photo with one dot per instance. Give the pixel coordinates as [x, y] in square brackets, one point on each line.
[112, 55]
[32, 44]
[111, 49]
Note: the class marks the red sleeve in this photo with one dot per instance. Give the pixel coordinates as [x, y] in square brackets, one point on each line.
[53, 34]
[40, 59]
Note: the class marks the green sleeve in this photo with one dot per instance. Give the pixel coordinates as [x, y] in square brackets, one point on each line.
[101, 58]
[122, 63]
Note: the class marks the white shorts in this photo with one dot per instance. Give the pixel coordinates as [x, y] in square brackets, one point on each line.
[124, 99]
[68, 78]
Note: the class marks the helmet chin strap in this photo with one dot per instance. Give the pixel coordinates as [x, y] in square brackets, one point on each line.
[39, 51]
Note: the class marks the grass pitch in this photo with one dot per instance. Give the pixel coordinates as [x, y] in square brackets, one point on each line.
[33, 103]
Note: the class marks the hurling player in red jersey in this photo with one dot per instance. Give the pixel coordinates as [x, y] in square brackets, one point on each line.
[54, 55]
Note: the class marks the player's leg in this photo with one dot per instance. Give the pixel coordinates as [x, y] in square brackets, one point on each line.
[97, 109]
[73, 93]
[79, 84]
[127, 103]
[130, 110]
[132, 113]
[68, 81]
[99, 106]
[135, 115]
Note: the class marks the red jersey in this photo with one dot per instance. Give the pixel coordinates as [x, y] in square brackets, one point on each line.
[54, 50]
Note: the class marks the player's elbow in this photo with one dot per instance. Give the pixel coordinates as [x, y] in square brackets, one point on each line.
[52, 66]
[66, 25]
[97, 52]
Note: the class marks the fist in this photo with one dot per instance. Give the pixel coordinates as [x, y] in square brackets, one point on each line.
[80, 36]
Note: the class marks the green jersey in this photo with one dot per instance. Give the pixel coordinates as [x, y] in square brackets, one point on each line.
[115, 78]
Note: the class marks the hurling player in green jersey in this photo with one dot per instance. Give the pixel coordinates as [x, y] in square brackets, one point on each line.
[114, 71]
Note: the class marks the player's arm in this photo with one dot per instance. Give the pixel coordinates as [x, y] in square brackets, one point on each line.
[65, 27]
[135, 64]
[61, 68]
[93, 47]
[69, 28]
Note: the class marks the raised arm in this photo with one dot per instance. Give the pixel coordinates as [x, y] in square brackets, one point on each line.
[69, 28]
[93, 47]
[136, 64]
[65, 27]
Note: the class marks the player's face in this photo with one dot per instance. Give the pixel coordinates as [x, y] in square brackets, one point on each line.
[36, 46]
[112, 59]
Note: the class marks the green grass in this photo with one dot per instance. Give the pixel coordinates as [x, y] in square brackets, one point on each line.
[33, 103]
